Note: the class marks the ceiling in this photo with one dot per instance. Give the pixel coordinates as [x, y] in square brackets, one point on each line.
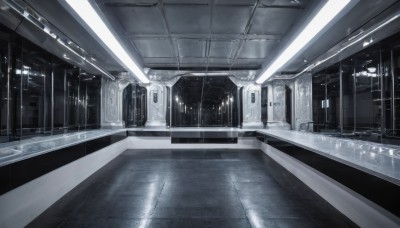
[207, 35]
[204, 34]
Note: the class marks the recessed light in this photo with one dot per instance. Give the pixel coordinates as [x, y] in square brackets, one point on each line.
[88, 14]
[326, 14]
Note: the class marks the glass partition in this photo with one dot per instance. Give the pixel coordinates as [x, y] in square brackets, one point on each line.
[4, 65]
[205, 102]
[41, 94]
[59, 96]
[326, 100]
[359, 96]
[134, 105]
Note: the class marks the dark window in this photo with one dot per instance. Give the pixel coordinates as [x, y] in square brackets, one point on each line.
[205, 102]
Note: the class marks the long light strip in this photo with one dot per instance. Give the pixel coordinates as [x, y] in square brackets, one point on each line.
[320, 20]
[89, 15]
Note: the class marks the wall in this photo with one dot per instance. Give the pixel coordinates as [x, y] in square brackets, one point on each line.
[363, 93]
[42, 94]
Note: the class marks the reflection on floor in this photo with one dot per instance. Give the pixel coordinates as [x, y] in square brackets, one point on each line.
[192, 188]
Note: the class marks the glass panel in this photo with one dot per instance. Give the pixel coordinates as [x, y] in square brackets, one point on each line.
[134, 105]
[264, 104]
[396, 90]
[332, 102]
[288, 103]
[72, 77]
[348, 89]
[390, 55]
[4, 64]
[368, 93]
[326, 100]
[319, 96]
[93, 102]
[82, 103]
[59, 96]
[35, 69]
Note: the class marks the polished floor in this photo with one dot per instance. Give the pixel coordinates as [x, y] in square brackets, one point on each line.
[192, 188]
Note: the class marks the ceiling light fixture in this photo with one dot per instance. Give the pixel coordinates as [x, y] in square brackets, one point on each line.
[89, 15]
[326, 14]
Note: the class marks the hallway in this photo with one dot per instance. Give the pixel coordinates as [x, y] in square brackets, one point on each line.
[192, 188]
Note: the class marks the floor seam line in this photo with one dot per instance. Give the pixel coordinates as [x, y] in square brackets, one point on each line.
[241, 203]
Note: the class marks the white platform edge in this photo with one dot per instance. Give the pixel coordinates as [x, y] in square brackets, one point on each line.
[357, 208]
[23, 204]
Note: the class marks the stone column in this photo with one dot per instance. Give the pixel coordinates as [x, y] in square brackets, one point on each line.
[111, 103]
[278, 93]
[252, 106]
[303, 101]
[156, 105]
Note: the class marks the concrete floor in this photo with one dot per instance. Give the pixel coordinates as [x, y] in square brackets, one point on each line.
[192, 188]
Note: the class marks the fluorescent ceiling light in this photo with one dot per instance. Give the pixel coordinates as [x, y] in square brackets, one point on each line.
[323, 17]
[89, 15]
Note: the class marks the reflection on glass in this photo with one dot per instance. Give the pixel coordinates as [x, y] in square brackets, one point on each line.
[35, 69]
[348, 90]
[41, 94]
[264, 104]
[368, 111]
[204, 102]
[72, 98]
[134, 105]
[59, 96]
[326, 100]
[4, 63]
[93, 100]
[371, 94]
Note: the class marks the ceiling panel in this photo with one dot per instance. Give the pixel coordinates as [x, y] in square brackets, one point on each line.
[160, 61]
[236, 2]
[187, 2]
[221, 49]
[274, 21]
[225, 23]
[285, 3]
[188, 18]
[137, 2]
[219, 62]
[249, 63]
[192, 61]
[155, 48]
[191, 47]
[140, 19]
[257, 49]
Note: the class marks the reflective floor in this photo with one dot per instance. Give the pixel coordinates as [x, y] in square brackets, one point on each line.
[192, 188]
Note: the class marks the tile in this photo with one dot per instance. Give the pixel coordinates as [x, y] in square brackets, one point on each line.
[275, 212]
[217, 223]
[191, 188]
[199, 212]
[259, 175]
[270, 200]
[257, 222]
[258, 188]
[198, 200]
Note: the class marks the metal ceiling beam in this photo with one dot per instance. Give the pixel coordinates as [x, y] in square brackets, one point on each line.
[245, 32]
[165, 22]
[208, 43]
